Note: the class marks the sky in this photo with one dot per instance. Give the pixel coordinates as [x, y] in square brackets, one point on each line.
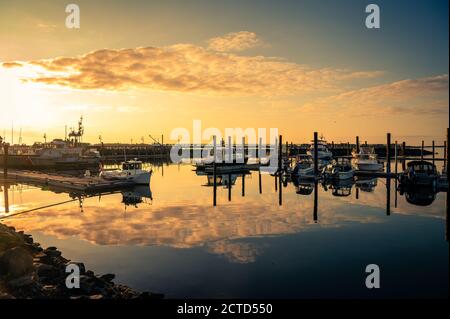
[135, 68]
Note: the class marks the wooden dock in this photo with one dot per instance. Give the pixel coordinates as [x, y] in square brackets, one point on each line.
[69, 183]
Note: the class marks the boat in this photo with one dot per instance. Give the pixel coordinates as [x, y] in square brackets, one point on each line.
[366, 160]
[303, 187]
[130, 170]
[322, 150]
[419, 174]
[304, 167]
[339, 169]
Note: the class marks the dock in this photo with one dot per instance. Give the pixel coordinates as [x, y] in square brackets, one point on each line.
[68, 183]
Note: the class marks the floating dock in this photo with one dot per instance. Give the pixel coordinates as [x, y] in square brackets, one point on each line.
[83, 184]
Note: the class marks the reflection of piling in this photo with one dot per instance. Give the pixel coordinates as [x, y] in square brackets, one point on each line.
[316, 200]
[6, 197]
[357, 193]
[446, 155]
[388, 196]
[396, 170]
[357, 144]
[5, 160]
[260, 182]
[243, 184]
[280, 173]
[214, 173]
[229, 187]
[316, 155]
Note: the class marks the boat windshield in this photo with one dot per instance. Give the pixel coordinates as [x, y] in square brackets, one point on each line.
[131, 166]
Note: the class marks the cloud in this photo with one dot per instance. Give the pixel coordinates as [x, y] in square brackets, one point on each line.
[190, 68]
[235, 42]
[423, 96]
[11, 65]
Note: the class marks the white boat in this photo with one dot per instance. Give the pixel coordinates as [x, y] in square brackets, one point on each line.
[304, 167]
[340, 169]
[130, 170]
[366, 160]
[322, 150]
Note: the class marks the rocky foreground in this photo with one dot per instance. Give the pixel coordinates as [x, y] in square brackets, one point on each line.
[29, 271]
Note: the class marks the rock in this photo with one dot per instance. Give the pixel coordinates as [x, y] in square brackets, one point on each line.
[108, 277]
[96, 297]
[49, 271]
[16, 262]
[24, 281]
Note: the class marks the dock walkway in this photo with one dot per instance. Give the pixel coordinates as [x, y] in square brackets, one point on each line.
[85, 184]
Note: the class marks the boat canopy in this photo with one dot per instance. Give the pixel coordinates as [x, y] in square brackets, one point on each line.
[422, 166]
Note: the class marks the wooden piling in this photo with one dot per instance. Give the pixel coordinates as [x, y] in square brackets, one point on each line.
[260, 181]
[421, 150]
[243, 184]
[433, 150]
[5, 160]
[214, 172]
[316, 155]
[388, 153]
[403, 155]
[316, 201]
[229, 187]
[357, 144]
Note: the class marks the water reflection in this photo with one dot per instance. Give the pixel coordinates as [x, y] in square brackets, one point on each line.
[177, 213]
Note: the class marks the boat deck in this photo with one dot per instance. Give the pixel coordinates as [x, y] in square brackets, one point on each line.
[85, 184]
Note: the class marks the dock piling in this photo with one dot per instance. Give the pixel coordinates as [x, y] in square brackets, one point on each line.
[316, 160]
[388, 153]
[5, 160]
[214, 172]
[403, 155]
[357, 144]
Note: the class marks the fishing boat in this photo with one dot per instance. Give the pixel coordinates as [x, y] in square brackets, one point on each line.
[340, 169]
[129, 170]
[304, 167]
[419, 174]
[322, 149]
[366, 160]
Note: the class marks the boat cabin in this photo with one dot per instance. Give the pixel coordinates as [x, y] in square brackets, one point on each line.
[131, 166]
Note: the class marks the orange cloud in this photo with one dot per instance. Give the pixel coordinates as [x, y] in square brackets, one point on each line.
[190, 68]
[235, 41]
[11, 64]
[423, 96]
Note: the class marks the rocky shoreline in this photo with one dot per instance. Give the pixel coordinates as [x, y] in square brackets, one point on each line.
[27, 271]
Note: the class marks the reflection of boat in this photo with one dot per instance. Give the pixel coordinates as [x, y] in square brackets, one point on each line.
[222, 180]
[136, 195]
[366, 185]
[304, 167]
[322, 149]
[130, 170]
[339, 169]
[419, 174]
[366, 160]
[304, 188]
[420, 196]
[341, 188]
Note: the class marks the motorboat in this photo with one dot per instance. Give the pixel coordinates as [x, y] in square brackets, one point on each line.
[322, 150]
[419, 174]
[304, 167]
[129, 170]
[339, 169]
[366, 160]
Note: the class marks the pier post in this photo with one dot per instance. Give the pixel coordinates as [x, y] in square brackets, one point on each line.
[446, 155]
[316, 160]
[332, 145]
[421, 150]
[357, 144]
[243, 184]
[214, 172]
[348, 148]
[5, 160]
[433, 149]
[280, 154]
[403, 155]
[388, 153]
[395, 158]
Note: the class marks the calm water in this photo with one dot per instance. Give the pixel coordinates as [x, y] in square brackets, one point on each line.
[175, 242]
